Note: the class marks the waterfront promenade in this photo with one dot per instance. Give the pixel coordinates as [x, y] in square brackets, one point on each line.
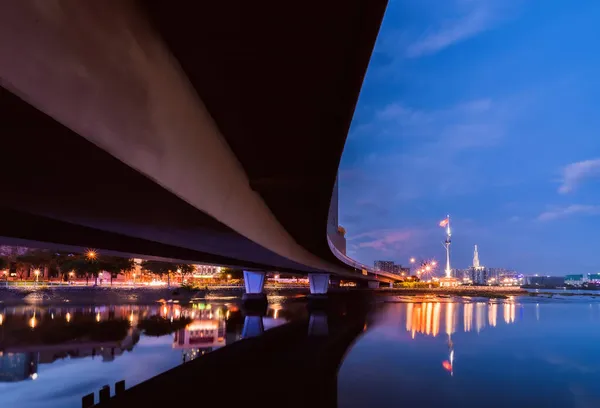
[149, 294]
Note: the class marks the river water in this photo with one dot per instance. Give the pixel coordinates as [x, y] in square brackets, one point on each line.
[420, 352]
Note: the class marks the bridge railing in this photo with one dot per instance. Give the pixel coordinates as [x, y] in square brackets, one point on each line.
[357, 265]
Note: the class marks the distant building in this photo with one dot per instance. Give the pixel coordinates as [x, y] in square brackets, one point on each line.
[384, 266]
[575, 280]
[478, 274]
[546, 281]
[583, 279]
[335, 232]
[400, 270]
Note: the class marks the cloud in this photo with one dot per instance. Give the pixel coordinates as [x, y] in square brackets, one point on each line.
[570, 210]
[575, 173]
[382, 240]
[429, 142]
[475, 22]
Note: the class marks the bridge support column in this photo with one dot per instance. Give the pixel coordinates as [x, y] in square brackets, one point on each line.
[319, 283]
[254, 281]
[253, 326]
[317, 324]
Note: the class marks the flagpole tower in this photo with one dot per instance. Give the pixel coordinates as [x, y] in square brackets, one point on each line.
[447, 246]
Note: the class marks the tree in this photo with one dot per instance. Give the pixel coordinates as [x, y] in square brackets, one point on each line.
[83, 267]
[115, 265]
[166, 268]
[231, 273]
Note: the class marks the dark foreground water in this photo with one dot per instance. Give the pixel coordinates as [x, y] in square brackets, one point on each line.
[431, 352]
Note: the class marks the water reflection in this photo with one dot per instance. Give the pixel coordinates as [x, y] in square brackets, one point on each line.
[424, 318]
[499, 353]
[32, 336]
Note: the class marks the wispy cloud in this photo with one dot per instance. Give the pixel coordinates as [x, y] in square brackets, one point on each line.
[474, 22]
[383, 240]
[575, 173]
[563, 212]
[429, 142]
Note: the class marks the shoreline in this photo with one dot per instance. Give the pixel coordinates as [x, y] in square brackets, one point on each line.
[490, 292]
[148, 295]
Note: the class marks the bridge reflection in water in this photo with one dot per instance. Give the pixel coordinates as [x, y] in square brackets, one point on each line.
[32, 335]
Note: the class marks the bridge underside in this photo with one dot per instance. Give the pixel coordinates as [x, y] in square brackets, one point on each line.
[207, 132]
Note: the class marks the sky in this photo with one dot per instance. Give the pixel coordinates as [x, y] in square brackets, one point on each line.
[486, 110]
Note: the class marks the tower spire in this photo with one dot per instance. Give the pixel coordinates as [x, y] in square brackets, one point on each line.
[476, 258]
[448, 270]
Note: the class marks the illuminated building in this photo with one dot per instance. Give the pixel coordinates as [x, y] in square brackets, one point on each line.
[478, 274]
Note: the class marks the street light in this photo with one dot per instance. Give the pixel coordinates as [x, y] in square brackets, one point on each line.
[37, 274]
[91, 254]
[412, 260]
[71, 274]
[434, 263]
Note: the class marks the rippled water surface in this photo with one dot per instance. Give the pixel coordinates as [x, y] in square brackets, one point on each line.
[516, 353]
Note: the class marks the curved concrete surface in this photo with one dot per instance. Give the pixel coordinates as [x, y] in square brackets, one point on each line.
[104, 71]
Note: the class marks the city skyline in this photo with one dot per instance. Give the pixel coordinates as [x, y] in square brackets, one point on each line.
[483, 110]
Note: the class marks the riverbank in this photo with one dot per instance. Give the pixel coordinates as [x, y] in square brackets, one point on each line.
[491, 292]
[123, 295]
[147, 295]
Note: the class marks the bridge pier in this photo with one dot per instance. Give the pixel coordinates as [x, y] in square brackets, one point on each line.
[317, 324]
[254, 281]
[319, 283]
[373, 285]
[253, 326]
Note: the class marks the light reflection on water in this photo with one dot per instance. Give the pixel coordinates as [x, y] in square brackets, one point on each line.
[493, 354]
[52, 356]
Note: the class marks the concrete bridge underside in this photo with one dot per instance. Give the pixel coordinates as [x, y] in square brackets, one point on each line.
[207, 132]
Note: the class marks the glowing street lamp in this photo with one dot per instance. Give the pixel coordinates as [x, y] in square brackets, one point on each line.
[91, 254]
[37, 275]
[412, 260]
[433, 263]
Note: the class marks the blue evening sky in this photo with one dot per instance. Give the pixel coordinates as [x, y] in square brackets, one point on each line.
[486, 110]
